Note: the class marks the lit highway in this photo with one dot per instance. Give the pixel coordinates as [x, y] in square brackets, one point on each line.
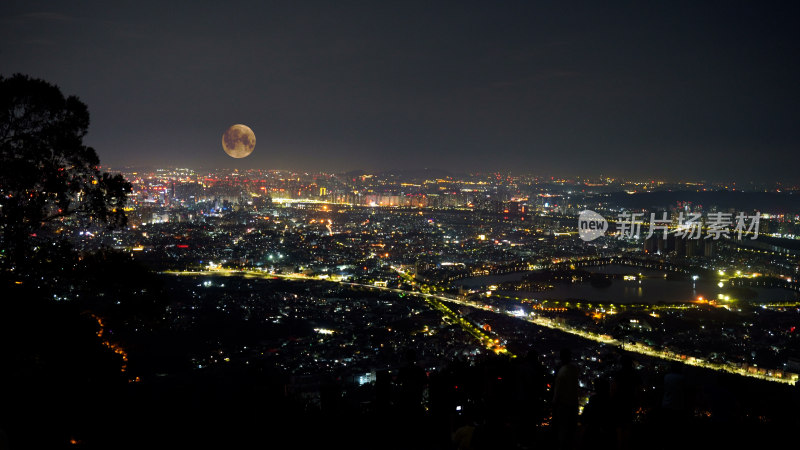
[486, 340]
[435, 299]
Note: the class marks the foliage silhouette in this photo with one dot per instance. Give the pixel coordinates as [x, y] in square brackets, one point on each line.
[48, 177]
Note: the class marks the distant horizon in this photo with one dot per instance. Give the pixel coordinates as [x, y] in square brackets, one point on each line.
[399, 219]
[678, 90]
[419, 171]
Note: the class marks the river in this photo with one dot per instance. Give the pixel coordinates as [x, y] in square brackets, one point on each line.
[653, 288]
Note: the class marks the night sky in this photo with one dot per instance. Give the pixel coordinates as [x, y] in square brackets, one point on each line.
[642, 89]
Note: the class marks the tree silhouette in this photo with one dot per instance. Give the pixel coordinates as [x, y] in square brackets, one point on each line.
[63, 315]
[48, 177]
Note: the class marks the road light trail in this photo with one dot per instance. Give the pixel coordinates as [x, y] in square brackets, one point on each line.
[640, 348]
[434, 302]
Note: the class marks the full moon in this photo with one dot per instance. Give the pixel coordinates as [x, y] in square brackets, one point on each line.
[238, 141]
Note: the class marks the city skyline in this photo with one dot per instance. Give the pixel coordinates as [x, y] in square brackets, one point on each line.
[428, 225]
[689, 183]
[700, 91]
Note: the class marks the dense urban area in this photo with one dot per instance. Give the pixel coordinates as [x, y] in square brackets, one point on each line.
[399, 225]
[334, 283]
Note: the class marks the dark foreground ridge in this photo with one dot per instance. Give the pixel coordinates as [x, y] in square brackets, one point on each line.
[62, 392]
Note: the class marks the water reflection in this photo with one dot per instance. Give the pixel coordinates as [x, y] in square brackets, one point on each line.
[653, 288]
